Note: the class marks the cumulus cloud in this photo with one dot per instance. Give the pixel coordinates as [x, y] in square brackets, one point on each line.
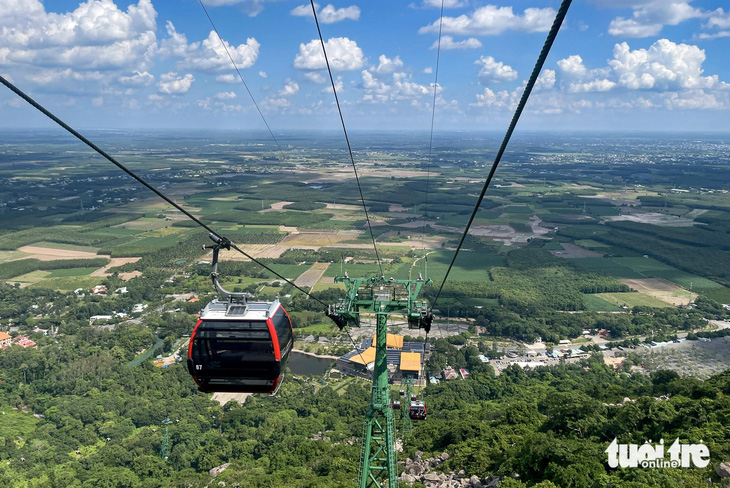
[171, 84]
[649, 18]
[387, 65]
[329, 14]
[343, 54]
[501, 99]
[263, 74]
[97, 35]
[210, 54]
[225, 95]
[397, 86]
[546, 80]
[664, 66]
[227, 78]
[137, 79]
[315, 77]
[577, 78]
[290, 88]
[493, 71]
[448, 43]
[493, 20]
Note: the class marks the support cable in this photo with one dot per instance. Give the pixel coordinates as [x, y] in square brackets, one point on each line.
[349, 148]
[139, 179]
[433, 116]
[520, 106]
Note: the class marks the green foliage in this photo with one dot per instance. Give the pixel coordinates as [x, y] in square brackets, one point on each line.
[22, 266]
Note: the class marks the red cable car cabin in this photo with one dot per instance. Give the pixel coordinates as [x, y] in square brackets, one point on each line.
[240, 347]
[417, 410]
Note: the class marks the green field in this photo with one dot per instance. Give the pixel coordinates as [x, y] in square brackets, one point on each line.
[68, 283]
[60, 273]
[607, 266]
[469, 266]
[631, 299]
[595, 303]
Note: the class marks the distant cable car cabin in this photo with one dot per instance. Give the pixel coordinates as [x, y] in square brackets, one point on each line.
[396, 405]
[417, 410]
[239, 346]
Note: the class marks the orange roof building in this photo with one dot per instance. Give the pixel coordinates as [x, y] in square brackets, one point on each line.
[392, 341]
[365, 357]
[5, 340]
[410, 361]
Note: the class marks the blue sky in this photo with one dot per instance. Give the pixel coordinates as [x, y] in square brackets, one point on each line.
[616, 65]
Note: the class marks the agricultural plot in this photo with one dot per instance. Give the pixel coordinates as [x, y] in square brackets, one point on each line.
[594, 303]
[469, 266]
[53, 253]
[630, 300]
[67, 283]
[661, 289]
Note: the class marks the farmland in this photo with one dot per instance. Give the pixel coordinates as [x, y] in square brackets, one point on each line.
[601, 236]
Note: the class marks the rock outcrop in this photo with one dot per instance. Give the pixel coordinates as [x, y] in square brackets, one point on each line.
[419, 470]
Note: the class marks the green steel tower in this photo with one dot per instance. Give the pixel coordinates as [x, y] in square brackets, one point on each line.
[380, 297]
[165, 447]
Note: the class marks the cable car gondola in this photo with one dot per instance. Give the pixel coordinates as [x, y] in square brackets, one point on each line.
[239, 346]
[417, 410]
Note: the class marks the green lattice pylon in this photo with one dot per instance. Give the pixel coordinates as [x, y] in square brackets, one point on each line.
[165, 447]
[380, 297]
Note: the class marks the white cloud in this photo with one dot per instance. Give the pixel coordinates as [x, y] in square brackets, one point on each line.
[664, 66]
[225, 95]
[209, 55]
[649, 18]
[97, 35]
[577, 78]
[171, 84]
[492, 71]
[339, 85]
[227, 78]
[448, 43]
[315, 77]
[291, 88]
[343, 54]
[428, 70]
[137, 79]
[501, 99]
[398, 87]
[546, 80]
[718, 19]
[263, 74]
[493, 20]
[387, 65]
[329, 14]
[97, 101]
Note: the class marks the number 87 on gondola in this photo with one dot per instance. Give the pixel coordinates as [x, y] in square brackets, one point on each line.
[238, 345]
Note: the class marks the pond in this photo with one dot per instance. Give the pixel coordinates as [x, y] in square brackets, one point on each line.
[305, 364]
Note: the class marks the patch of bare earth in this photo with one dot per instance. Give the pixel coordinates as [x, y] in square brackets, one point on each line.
[279, 205]
[51, 254]
[661, 289]
[654, 218]
[224, 398]
[312, 275]
[113, 264]
[130, 275]
[571, 251]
